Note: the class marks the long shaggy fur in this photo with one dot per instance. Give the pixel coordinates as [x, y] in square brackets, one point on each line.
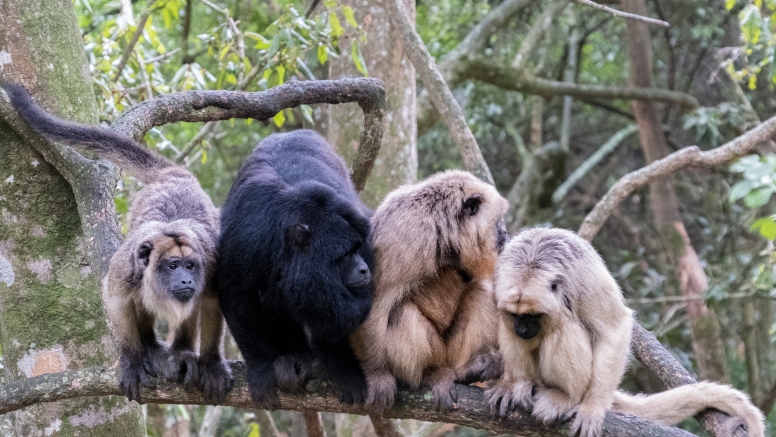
[171, 220]
[433, 318]
[565, 334]
[292, 220]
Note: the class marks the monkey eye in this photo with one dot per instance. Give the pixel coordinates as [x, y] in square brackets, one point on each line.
[554, 285]
[190, 266]
[173, 266]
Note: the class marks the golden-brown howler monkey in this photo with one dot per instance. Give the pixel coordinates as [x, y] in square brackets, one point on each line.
[162, 269]
[565, 332]
[433, 318]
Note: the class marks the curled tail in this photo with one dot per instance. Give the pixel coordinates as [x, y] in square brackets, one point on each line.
[672, 406]
[124, 152]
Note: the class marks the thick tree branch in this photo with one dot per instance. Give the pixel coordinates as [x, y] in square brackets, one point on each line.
[223, 105]
[472, 408]
[522, 81]
[687, 157]
[440, 93]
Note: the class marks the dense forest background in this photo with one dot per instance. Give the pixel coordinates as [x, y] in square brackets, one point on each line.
[544, 86]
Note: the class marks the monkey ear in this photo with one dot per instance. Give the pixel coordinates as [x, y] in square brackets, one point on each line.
[298, 236]
[144, 253]
[472, 205]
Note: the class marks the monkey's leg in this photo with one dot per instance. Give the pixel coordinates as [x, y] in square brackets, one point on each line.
[339, 364]
[516, 384]
[293, 366]
[254, 331]
[214, 375]
[551, 404]
[442, 383]
[180, 365]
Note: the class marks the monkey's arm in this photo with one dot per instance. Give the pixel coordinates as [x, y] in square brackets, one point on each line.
[215, 378]
[610, 354]
[516, 384]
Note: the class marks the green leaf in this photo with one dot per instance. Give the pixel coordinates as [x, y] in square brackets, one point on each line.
[307, 113]
[223, 52]
[330, 4]
[751, 24]
[254, 430]
[122, 206]
[740, 189]
[350, 17]
[279, 119]
[323, 54]
[358, 58]
[334, 24]
[204, 156]
[729, 4]
[274, 46]
[766, 226]
[281, 74]
[758, 197]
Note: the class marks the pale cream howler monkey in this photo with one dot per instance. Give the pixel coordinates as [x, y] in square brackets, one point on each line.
[565, 333]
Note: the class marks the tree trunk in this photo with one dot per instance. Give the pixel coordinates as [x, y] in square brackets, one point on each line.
[397, 162]
[51, 315]
[704, 325]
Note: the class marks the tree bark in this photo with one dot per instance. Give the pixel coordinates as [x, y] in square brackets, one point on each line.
[704, 325]
[51, 316]
[383, 53]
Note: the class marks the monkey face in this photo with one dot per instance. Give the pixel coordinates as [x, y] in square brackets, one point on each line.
[527, 326]
[173, 266]
[354, 271]
[183, 276]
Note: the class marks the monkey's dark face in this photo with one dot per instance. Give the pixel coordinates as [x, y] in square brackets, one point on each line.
[354, 271]
[527, 326]
[183, 277]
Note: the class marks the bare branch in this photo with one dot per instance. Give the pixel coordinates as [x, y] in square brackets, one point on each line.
[314, 424]
[472, 408]
[385, 427]
[687, 157]
[223, 105]
[522, 81]
[535, 32]
[622, 14]
[198, 138]
[609, 146]
[141, 22]
[439, 92]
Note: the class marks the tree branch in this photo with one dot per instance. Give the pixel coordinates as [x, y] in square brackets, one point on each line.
[472, 408]
[687, 157]
[141, 22]
[223, 105]
[622, 14]
[522, 81]
[439, 92]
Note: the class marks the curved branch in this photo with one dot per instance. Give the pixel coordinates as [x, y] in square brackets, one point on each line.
[195, 106]
[687, 157]
[516, 80]
[472, 408]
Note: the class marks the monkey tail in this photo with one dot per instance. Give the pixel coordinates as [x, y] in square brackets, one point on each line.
[672, 406]
[124, 152]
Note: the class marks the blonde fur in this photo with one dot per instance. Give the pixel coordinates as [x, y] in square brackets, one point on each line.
[433, 318]
[578, 357]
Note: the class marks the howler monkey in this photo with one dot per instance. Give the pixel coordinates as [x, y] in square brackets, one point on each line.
[565, 331]
[162, 269]
[433, 318]
[294, 267]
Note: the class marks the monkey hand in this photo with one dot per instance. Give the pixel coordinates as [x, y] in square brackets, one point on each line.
[293, 371]
[180, 366]
[215, 379]
[353, 387]
[442, 382]
[134, 370]
[484, 366]
[382, 391]
[263, 387]
[506, 395]
[588, 421]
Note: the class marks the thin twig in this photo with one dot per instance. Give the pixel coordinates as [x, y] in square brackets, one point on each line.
[197, 140]
[141, 22]
[539, 26]
[215, 8]
[162, 57]
[666, 299]
[622, 14]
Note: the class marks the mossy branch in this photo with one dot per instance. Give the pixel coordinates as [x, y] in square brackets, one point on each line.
[472, 408]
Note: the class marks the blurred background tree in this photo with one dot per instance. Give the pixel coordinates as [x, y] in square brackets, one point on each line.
[544, 86]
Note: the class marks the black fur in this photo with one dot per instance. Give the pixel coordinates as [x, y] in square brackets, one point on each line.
[290, 225]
